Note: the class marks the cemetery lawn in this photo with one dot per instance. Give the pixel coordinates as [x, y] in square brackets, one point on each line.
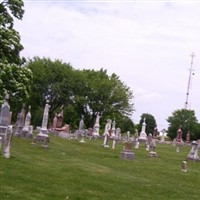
[87, 171]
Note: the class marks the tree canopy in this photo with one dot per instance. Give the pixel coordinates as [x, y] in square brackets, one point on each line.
[185, 119]
[14, 78]
[10, 39]
[81, 92]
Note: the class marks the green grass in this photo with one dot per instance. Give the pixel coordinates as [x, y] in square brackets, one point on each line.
[72, 170]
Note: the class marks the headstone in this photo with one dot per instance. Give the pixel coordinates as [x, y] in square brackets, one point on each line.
[28, 119]
[96, 126]
[118, 133]
[179, 136]
[193, 155]
[5, 112]
[90, 133]
[107, 133]
[152, 145]
[143, 135]
[5, 130]
[113, 129]
[163, 136]
[10, 119]
[178, 141]
[128, 135]
[187, 138]
[127, 153]
[0, 142]
[155, 132]
[7, 142]
[81, 129]
[21, 118]
[54, 122]
[42, 137]
[137, 144]
[45, 118]
[184, 166]
[59, 118]
[26, 132]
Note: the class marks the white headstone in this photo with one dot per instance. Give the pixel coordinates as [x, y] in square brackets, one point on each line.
[143, 135]
[107, 132]
[96, 126]
[45, 117]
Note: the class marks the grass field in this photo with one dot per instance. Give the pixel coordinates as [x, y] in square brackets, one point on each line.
[73, 170]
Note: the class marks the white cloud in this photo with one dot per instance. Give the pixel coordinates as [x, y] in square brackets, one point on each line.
[146, 43]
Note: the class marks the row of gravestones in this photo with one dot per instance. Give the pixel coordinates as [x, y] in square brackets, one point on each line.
[109, 132]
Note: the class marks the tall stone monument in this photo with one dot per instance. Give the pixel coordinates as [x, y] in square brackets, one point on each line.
[5, 130]
[42, 137]
[96, 126]
[5, 112]
[178, 141]
[27, 129]
[45, 118]
[81, 129]
[113, 129]
[20, 121]
[143, 135]
[107, 132]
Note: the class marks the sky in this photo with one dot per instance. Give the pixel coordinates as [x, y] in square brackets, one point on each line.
[148, 44]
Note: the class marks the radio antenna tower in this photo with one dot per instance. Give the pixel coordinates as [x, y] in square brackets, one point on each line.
[189, 80]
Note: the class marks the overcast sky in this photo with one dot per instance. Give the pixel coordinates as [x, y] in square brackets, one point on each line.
[146, 43]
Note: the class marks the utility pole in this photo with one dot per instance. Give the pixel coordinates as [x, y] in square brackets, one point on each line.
[189, 80]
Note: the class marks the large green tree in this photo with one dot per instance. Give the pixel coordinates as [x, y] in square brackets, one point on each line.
[16, 81]
[81, 92]
[150, 123]
[185, 119]
[105, 95]
[52, 80]
[14, 78]
[10, 39]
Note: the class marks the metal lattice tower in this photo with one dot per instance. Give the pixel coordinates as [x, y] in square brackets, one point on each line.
[189, 80]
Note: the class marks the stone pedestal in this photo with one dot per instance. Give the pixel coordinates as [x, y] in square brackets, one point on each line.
[127, 153]
[143, 135]
[43, 139]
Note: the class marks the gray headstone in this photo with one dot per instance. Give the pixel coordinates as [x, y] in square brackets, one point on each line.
[27, 120]
[5, 113]
[45, 117]
[193, 155]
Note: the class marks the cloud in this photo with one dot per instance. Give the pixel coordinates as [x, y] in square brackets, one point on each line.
[147, 44]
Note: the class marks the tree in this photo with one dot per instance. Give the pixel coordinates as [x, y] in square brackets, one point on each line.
[14, 78]
[10, 39]
[105, 95]
[186, 120]
[125, 124]
[81, 92]
[16, 81]
[52, 80]
[150, 123]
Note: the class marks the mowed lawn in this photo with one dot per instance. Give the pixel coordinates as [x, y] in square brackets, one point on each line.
[73, 170]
